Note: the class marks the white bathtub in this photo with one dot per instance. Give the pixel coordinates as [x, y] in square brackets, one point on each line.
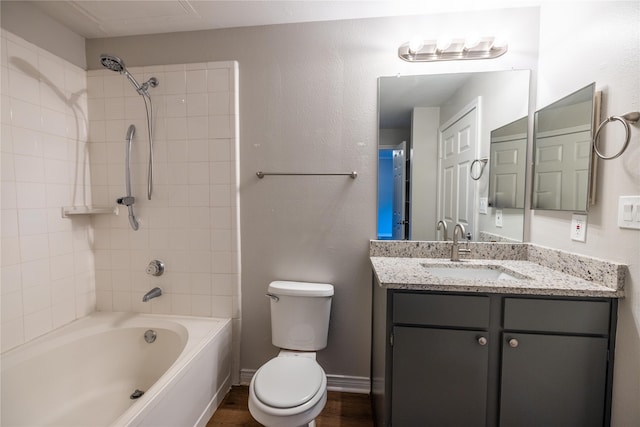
[84, 373]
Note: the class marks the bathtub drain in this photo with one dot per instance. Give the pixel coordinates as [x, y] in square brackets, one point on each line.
[150, 336]
[136, 394]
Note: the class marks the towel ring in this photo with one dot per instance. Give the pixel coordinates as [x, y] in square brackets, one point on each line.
[482, 166]
[625, 120]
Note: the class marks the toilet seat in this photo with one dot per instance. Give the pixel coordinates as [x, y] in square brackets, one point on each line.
[288, 382]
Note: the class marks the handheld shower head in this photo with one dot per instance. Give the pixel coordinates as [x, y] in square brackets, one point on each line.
[112, 62]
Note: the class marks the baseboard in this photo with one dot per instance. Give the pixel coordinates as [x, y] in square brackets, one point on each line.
[343, 383]
[348, 384]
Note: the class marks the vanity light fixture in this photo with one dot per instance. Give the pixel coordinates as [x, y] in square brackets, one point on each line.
[447, 49]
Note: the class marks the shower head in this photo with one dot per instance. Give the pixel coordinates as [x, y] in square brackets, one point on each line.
[112, 62]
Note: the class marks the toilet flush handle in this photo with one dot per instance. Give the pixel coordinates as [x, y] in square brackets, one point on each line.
[275, 298]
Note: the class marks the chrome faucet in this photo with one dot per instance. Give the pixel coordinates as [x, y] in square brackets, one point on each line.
[153, 293]
[455, 250]
[444, 229]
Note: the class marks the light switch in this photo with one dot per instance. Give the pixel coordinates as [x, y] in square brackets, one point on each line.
[498, 217]
[629, 212]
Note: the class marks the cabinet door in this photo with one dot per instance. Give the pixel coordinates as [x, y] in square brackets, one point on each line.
[439, 377]
[553, 380]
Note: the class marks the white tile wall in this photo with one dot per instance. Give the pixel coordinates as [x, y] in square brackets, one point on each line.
[47, 264]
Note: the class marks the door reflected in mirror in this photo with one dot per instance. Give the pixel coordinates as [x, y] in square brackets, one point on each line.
[508, 165]
[429, 113]
[562, 168]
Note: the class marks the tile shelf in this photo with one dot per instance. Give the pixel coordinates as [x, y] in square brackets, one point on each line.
[70, 211]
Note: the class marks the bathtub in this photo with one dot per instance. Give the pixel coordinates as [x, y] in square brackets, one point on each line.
[83, 374]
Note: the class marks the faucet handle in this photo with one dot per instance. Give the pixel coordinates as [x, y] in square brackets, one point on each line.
[155, 268]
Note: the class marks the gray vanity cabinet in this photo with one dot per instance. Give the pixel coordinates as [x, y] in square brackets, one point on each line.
[429, 329]
[456, 359]
[554, 364]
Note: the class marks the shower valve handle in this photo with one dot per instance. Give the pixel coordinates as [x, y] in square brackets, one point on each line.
[155, 268]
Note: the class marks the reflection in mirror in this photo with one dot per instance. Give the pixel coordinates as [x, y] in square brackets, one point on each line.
[562, 152]
[508, 167]
[420, 119]
[507, 180]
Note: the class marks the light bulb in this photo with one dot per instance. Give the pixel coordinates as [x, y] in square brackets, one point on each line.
[415, 45]
[471, 41]
[443, 43]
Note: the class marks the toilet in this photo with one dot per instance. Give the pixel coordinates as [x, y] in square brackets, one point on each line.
[290, 390]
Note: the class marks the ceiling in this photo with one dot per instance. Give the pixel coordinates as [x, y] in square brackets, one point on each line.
[400, 95]
[114, 18]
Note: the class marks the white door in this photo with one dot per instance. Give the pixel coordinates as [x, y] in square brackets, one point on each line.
[399, 191]
[562, 169]
[457, 149]
[508, 168]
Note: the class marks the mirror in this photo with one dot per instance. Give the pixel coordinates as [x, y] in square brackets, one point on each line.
[507, 159]
[507, 181]
[414, 114]
[562, 152]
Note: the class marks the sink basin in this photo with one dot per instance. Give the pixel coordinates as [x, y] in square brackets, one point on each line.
[473, 272]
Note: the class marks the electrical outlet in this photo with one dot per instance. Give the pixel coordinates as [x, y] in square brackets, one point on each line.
[629, 212]
[482, 206]
[579, 228]
[498, 217]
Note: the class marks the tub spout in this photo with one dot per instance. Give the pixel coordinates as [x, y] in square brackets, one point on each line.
[153, 293]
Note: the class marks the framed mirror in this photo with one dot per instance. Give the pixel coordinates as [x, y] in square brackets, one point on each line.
[563, 166]
[414, 115]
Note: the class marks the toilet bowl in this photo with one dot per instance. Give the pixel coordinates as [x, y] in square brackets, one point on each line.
[288, 391]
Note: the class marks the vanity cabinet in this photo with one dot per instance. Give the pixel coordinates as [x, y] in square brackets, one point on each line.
[456, 359]
[457, 390]
[554, 362]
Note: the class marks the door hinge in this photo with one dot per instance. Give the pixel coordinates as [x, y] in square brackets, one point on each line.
[391, 340]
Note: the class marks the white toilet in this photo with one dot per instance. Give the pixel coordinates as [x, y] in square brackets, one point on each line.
[290, 390]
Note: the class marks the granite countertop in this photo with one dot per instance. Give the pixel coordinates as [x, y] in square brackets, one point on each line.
[539, 271]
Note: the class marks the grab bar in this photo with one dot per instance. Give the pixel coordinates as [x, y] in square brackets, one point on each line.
[129, 200]
[352, 174]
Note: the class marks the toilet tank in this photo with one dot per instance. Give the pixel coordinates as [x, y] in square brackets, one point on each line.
[300, 314]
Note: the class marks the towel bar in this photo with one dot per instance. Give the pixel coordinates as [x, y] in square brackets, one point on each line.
[352, 174]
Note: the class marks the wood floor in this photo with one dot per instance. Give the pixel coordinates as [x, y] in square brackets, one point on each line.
[342, 410]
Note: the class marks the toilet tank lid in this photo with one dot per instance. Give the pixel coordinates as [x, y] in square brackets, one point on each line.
[307, 289]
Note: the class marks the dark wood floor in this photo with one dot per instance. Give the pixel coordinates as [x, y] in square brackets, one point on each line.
[342, 410]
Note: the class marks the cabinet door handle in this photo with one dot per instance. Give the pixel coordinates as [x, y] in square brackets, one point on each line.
[482, 340]
[513, 343]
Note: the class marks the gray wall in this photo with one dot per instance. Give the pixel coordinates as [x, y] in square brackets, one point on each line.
[308, 95]
[28, 22]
